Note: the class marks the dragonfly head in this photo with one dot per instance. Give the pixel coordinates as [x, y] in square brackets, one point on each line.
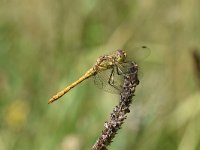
[120, 56]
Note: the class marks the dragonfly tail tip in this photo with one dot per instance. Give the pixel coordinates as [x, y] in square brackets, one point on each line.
[50, 101]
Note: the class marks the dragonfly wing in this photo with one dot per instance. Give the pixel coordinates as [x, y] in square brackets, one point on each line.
[124, 68]
[101, 80]
[138, 53]
[98, 81]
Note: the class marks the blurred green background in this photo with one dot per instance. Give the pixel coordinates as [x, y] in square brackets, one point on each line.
[46, 44]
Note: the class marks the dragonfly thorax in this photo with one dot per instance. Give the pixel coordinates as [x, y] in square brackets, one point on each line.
[108, 61]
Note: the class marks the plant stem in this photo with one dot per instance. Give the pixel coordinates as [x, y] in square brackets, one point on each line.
[118, 115]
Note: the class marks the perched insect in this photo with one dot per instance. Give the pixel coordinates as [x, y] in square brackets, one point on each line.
[115, 63]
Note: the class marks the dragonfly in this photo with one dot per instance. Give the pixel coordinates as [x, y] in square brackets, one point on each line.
[116, 63]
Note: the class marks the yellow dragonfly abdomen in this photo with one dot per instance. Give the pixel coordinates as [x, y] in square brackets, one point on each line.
[88, 74]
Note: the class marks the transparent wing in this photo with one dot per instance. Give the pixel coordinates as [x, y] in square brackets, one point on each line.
[124, 68]
[109, 80]
[138, 53]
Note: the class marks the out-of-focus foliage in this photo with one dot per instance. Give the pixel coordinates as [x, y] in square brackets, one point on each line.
[46, 44]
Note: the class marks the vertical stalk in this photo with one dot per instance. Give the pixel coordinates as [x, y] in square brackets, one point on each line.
[118, 115]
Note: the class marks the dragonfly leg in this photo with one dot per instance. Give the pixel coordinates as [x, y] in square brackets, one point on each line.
[119, 71]
[111, 80]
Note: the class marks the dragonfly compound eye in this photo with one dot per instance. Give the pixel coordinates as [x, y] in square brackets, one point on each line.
[121, 55]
